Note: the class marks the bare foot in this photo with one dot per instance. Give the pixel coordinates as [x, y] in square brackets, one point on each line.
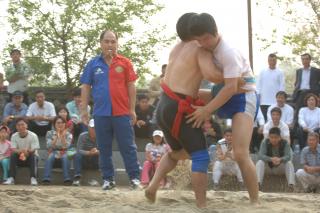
[151, 196]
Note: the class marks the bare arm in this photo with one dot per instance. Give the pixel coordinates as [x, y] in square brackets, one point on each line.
[208, 69]
[202, 113]
[132, 100]
[85, 94]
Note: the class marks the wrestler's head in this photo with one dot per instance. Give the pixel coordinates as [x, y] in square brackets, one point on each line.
[203, 28]
[183, 27]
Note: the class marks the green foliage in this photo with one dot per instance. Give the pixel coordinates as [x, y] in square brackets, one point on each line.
[60, 36]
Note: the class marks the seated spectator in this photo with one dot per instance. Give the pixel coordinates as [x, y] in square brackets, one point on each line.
[257, 133]
[64, 113]
[276, 153]
[75, 115]
[58, 142]
[309, 118]
[287, 112]
[144, 111]
[5, 151]
[14, 110]
[87, 152]
[212, 131]
[40, 114]
[25, 145]
[154, 152]
[309, 176]
[225, 163]
[276, 122]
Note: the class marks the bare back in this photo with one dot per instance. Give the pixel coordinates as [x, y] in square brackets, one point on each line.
[185, 71]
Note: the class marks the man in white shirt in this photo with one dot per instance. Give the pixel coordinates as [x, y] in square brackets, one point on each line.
[276, 122]
[270, 81]
[40, 114]
[307, 81]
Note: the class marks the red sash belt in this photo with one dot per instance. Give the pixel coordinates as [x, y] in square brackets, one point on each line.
[184, 107]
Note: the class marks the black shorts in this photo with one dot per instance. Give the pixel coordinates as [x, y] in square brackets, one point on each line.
[190, 139]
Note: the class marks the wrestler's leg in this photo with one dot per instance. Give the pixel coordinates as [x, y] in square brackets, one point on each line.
[167, 163]
[199, 177]
[242, 126]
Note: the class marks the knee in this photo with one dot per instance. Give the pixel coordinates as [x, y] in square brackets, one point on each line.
[241, 156]
[200, 161]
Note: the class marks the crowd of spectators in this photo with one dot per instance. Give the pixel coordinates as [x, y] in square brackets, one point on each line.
[282, 127]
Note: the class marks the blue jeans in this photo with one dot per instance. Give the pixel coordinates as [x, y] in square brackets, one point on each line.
[78, 161]
[5, 162]
[119, 126]
[49, 164]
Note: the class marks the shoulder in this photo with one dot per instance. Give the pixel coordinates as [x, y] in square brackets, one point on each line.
[14, 135]
[49, 104]
[305, 150]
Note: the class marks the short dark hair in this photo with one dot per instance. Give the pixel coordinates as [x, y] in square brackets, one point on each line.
[228, 130]
[275, 131]
[282, 93]
[21, 119]
[182, 26]
[15, 51]
[39, 91]
[306, 54]
[142, 96]
[272, 55]
[105, 31]
[76, 92]
[202, 23]
[276, 109]
[309, 95]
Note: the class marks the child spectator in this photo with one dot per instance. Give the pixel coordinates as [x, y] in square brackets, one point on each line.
[5, 151]
[154, 152]
[87, 153]
[58, 142]
[225, 163]
[144, 111]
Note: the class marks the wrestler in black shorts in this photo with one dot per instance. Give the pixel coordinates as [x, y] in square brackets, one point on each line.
[191, 139]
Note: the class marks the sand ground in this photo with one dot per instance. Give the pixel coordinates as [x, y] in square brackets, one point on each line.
[21, 198]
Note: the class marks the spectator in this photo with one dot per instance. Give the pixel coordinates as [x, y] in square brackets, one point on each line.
[271, 80]
[287, 112]
[309, 119]
[257, 133]
[64, 113]
[276, 122]
[17, 75]
[58, 142]
[5, 151]
[154, 152]
[25, 145]
[307, 81]
[14, 110]
[114, 94]
[74, 107]
[87, 152]
[309, 176]
[225, 163]
[276, 152]
[40, 114]
[154, 86]
[143, 126]
[212, 131]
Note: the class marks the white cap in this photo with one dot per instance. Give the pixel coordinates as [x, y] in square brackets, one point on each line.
[91, 123]
[157, 132]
